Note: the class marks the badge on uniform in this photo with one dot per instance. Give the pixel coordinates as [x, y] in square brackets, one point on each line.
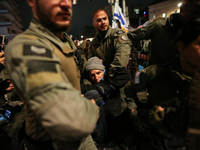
[32, 50]
[124, 37]
[137, 78]
[35, 66]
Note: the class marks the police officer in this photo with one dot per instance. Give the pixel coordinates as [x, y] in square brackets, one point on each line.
[161, 93]
[162, 32]
[41, 65]
[113, 47]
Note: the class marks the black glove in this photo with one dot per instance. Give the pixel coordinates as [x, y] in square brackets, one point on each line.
[118, 77]
[105, 89]
[93, 94]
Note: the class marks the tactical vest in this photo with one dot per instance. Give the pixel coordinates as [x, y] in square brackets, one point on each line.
[69, 66]
[72, 73]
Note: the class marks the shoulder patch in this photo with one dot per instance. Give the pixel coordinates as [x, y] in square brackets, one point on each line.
[137, 78]
[35, 66]
[120, 32]
[124, 37]
[32, 50]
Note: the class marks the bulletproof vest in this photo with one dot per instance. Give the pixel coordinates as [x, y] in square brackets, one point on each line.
[69, 66]
[73, 75]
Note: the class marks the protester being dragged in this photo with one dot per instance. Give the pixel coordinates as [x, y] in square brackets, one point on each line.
[117, 124]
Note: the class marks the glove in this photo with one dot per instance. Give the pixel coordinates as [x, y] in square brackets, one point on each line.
[105, 89]
[93, 94]
[119, 77]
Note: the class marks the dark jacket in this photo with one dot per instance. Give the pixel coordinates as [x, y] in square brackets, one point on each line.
[165, 86]
[162, 33]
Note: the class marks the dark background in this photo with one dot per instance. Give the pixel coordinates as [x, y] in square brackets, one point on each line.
[81, 20]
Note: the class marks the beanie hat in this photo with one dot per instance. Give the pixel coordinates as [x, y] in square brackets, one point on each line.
[94, 63]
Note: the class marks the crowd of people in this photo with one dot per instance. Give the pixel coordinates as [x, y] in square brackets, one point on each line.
[105, 94]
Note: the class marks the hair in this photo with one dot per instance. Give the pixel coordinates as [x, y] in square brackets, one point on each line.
[189, 32]
[96, 11]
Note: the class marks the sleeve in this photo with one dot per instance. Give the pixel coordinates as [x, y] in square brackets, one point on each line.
[122, 49]
[38, 77]
[118, 74]
[144, 32]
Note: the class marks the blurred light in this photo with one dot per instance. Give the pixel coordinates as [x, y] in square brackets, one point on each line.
[178, 11]
[137, 11]
[74, 2]
[144, 12]
[179, 4]
[164, 15]
[81, 36]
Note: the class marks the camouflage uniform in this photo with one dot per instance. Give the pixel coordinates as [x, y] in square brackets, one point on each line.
[47, 79]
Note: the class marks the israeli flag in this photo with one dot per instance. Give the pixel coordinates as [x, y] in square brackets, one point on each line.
[118, 15]
[114, 24]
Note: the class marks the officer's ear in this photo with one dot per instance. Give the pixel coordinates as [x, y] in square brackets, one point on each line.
[31, 2]
[94, 24]
[180, 46]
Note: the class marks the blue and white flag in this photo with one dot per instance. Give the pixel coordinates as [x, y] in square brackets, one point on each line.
[114, 24]
[118, 15]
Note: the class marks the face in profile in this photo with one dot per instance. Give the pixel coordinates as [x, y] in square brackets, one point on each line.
[56, 14]
[100, 21]
[191, 53]
[96, 75]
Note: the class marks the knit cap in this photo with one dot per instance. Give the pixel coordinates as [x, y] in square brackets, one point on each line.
[94, 63]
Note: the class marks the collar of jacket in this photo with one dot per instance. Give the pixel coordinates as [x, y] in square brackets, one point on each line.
[176, 69]
[174, 22]
[41, 30]
[97, 38]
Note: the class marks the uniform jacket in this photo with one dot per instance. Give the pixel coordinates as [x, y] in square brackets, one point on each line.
[114, 49]
[46, 77]
[166, 86]
[162, 33]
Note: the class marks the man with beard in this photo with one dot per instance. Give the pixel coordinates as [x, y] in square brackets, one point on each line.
[113, 47]
[41, 65]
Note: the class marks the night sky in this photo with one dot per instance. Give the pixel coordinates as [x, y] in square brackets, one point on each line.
[81, 13]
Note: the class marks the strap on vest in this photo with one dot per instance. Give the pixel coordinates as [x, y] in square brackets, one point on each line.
[69, 66]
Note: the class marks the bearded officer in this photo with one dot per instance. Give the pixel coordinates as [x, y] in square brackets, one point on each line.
[41, 65]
